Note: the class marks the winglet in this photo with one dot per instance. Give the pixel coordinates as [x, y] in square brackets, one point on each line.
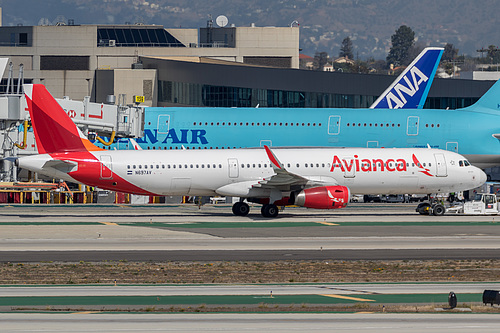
[274, 160]
[410, 89]
[54, 130]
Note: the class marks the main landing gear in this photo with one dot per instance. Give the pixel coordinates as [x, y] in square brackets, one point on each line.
[241, 208]
[268, 210]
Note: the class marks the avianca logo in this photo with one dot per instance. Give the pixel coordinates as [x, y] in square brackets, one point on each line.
[417, 77]
[425, 171]
[375, 164]
[365, 165]
[334, 199]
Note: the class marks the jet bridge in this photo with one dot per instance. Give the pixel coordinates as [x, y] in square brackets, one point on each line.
[94, 119]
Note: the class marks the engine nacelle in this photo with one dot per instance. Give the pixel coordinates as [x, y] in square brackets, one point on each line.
[324, 197]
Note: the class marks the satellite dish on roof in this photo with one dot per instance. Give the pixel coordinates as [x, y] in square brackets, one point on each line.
[221, 21]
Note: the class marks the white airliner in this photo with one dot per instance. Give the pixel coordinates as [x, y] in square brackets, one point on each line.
[320, 178]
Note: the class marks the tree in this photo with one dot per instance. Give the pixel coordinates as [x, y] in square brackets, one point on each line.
[320, 60]
[402, 41]
[346, 48]
[493, 54]
[450, 53]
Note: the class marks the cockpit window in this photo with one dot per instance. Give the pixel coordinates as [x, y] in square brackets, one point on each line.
[466, 163]
[461, 163]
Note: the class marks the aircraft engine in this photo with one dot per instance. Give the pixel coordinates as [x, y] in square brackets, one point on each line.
[324, 197]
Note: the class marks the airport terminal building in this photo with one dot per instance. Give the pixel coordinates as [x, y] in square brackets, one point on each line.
[212, 66]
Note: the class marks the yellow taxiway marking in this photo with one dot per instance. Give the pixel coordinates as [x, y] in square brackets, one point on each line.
[327, 223]
[123, 206]
[109, 223]
[85, 312]
[350, 298]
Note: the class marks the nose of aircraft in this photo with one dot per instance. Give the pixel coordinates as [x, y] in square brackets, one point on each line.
[481, 177]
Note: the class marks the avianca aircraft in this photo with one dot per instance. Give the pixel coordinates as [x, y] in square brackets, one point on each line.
[315, 178]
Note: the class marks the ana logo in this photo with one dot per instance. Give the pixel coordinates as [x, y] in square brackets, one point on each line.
[367, 165]
[425, 171]
[417, 77]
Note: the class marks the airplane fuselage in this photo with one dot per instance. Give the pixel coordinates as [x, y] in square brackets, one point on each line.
[236, 171]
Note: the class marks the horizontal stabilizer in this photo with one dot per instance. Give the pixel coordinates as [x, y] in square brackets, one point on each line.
[59, 165]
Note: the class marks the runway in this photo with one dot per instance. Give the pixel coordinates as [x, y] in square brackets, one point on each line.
[268, 322]
[172, 232]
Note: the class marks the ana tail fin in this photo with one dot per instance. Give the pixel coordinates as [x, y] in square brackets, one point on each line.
[54, 130]
[490, 99]
[410, 89]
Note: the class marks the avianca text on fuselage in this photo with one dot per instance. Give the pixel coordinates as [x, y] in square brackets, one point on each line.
[368, 165]
[417, 77]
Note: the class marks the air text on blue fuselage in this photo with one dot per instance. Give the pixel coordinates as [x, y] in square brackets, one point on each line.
[183, 136]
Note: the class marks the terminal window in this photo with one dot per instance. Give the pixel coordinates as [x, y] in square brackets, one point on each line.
[60, 63]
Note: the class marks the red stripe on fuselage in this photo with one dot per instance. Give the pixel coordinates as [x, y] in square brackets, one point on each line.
[89, 172]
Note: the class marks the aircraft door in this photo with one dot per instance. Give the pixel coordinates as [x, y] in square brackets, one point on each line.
[412, 126]
[349, 167]
[452, 146]
[106, 167]
[441, 170]
[268, 143]
[163, 123]
[233, 167]
[334, 125]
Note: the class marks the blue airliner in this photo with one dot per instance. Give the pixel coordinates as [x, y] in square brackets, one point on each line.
[409, 90]
[473, 131]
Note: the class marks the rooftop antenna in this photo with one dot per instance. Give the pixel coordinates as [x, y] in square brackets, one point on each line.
[221, 21]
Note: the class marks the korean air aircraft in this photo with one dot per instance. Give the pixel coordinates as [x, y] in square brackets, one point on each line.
[473, 131]
[320, 178]
[164, 131]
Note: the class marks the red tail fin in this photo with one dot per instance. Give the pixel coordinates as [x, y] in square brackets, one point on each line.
[54, 131]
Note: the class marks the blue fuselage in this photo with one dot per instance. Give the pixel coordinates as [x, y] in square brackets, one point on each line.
[465, 131]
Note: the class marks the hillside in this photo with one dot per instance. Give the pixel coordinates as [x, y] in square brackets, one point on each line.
[469, 25]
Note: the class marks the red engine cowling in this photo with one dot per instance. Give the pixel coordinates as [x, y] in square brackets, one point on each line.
[325, 197]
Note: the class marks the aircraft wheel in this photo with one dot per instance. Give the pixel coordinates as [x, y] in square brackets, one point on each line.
[438, 210]
[241, 209]
[423, 208]
[269, 210]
